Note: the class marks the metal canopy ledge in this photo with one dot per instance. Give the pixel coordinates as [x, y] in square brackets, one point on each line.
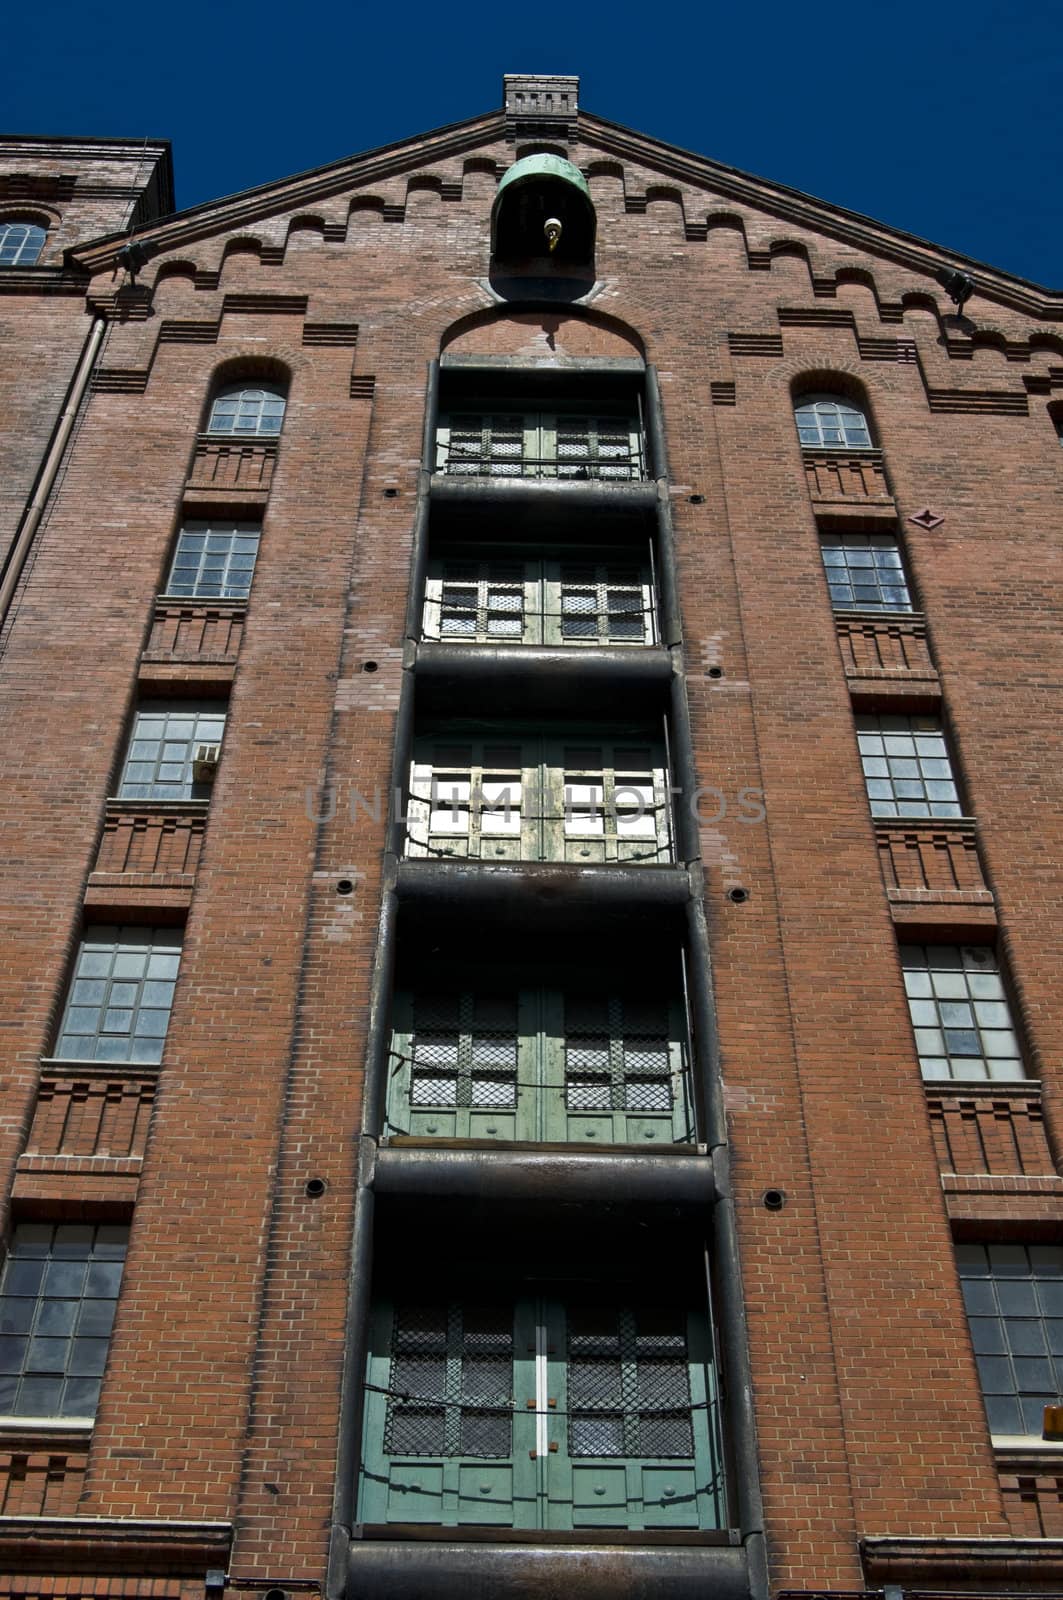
[543, 493]
[646, 1177]
[473, 1571]
[522, 678]
[617, 663]
[542, 885]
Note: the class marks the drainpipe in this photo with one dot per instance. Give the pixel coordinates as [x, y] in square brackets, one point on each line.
[50, 467]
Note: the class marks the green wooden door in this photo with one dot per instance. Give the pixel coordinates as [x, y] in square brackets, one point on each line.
[617, 1070]
[531, 798]
[493, 601]
[607, 800]
[575, 1067]
[541, 1413]
[465, 1066]
[598, 602]
[445, 1442]
[476, 798]
[635, 1428]
[534, 444]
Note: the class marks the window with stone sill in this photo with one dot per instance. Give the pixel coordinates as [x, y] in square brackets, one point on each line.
[1013, 1294]
[907, 770]
[829, 422]
[121, 995]
[213, 561]
[20, 243]
[160, 760]
[248, 410]
[58, 1291]
[962, 1021]
[865, 572]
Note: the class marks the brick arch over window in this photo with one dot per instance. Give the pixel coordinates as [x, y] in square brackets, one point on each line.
[544, 333]
[247, 397]
[831, 409]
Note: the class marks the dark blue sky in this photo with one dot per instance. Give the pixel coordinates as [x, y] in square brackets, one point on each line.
[943, 120]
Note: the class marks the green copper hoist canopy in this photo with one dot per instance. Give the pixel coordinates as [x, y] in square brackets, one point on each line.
[538, 190]
[543, 166]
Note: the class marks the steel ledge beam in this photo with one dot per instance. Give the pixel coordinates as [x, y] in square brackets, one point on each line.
[544, 886]
[643, 1178]
[616, 664]
[416, 1570]
[520, 679]
[595, 496]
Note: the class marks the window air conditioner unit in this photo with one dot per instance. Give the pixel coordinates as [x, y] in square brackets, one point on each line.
[205, 762]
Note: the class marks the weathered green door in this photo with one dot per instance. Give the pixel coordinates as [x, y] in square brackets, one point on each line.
[575, 1067]
[635, 1428]
[598, 602]
[531, 444]
[537, 1413]
[445, 1442]
[530, 798]
[617, 1071]
[465, 1066]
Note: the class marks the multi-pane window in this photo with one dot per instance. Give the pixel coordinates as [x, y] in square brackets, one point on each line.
[574, 1409]
[906, 766]
[960, 1014]
[58, 1292]
[169, 739]
[825, 421]
[522, 444]
[214, 561]
[538, 799]
[121, 993]
[596, 601]
[502, 1063]
[20, 244]
[1014, 1299]
[864, 572]
[248, 409]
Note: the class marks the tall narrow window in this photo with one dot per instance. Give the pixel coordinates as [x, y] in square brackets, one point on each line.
[169, 755]
[960, 1013]
[214, 561]
[826, 421]
[121, 993]
[58, 1292]
[865, 572]
[1014, 1299]
[20, 244]
[906, 765]
[248, 409]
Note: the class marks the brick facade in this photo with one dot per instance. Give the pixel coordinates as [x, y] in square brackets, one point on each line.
[222, 1405]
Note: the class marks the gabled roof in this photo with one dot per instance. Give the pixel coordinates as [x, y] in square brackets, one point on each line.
[241, 210]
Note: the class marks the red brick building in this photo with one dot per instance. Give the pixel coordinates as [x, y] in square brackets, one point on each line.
[531, 902]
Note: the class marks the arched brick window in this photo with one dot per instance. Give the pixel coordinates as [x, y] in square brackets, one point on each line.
[249, 409]
[827, 421]
[20, 243]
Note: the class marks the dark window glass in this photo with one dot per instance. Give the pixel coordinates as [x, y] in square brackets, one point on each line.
[57, 1297]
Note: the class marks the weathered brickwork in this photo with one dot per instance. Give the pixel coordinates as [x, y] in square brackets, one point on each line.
[223, 1389]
